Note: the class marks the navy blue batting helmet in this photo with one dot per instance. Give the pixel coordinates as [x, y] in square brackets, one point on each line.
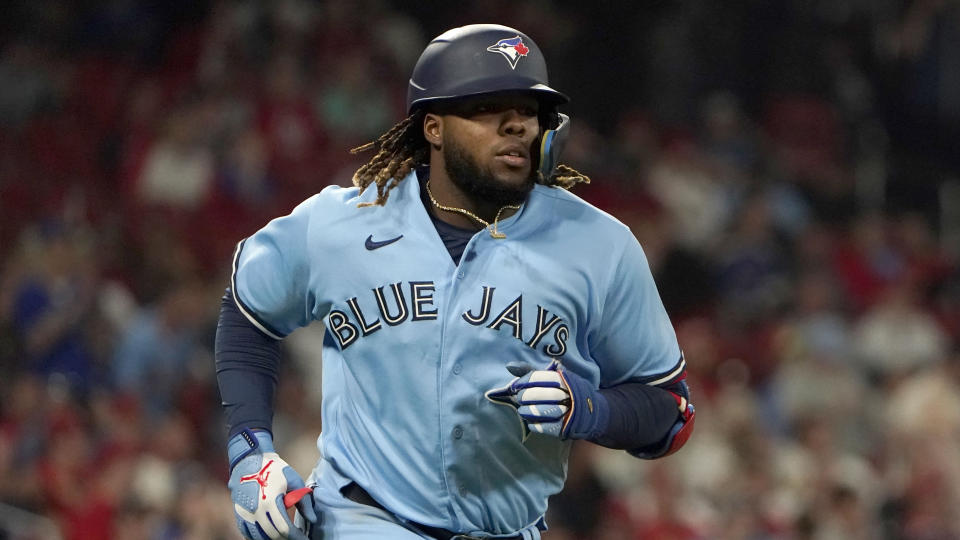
[479, 59]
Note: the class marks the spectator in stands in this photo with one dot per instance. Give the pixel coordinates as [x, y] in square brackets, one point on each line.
[54, 302]
[160, 346]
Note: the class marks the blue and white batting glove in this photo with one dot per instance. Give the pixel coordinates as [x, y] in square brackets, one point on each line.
[554, 401]
[262, 487]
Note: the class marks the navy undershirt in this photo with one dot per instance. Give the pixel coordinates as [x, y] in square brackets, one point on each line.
[247, 363]
[454, 238]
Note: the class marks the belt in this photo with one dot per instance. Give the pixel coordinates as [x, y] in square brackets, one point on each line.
[357, 494]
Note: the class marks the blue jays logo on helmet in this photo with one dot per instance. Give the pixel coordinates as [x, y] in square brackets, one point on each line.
[511, 48]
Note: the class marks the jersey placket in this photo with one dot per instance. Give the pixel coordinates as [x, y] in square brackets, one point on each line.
[450, 432]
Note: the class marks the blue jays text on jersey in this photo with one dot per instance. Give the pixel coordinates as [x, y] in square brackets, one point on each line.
[348, 325]
[414, 340]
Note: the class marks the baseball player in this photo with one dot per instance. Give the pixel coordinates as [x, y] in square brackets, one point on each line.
[479, 318]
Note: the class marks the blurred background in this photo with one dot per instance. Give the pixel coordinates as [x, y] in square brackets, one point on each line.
[791, 168]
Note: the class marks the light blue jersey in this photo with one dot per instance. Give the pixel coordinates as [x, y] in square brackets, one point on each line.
[414, 341]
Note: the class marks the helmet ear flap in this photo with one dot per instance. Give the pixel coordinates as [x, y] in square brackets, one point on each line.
[549, 117]
[552, 141]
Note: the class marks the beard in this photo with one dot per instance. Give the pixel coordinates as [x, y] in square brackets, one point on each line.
[479, 184]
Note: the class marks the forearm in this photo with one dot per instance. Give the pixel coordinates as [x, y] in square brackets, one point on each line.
[640, 416]
[247, 363]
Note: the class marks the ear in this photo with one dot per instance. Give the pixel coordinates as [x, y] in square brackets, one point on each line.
[433, 129]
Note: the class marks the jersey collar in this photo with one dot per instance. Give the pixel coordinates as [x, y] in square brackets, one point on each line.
[410, 188]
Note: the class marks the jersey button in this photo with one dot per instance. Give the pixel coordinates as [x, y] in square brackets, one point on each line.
[457, 432]
[457, 368]
[460, 274]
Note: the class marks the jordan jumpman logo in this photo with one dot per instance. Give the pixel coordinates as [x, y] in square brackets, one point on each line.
[260, 478]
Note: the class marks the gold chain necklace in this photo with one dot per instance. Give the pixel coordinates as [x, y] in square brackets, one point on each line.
[493, 230]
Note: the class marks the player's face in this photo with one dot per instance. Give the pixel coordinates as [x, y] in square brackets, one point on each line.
[488, 147]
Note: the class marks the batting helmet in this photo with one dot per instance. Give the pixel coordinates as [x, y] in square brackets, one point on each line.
[479, 59]
[487, 58]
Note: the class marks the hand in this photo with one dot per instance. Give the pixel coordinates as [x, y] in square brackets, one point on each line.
[262, 487]
[553, 401]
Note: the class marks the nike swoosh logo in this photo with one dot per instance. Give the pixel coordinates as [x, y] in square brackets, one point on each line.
[371, 245]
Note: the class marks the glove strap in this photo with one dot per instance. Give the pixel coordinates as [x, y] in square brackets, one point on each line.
[247, 442]
[589, 411]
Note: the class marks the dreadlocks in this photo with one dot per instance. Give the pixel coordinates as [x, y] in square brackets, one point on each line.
[403, 147]
[564, 177]
[399, 150]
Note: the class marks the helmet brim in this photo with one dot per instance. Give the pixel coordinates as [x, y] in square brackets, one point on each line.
[544, 94]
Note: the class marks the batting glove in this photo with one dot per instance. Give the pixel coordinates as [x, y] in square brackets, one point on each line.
[262, 487]
[554, 402]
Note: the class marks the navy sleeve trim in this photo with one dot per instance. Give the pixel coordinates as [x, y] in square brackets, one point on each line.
[666, 378]
[244, 309]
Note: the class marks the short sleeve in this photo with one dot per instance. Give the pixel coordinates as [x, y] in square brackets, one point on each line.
[271, 273]
[636, 340]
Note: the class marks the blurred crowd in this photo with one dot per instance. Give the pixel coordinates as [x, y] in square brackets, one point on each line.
[786, 166]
